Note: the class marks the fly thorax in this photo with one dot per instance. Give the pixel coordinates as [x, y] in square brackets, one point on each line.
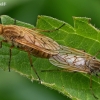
[94, 65]
[11, 32]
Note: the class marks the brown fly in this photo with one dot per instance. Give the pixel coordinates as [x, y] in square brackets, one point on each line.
[74, 60]
[30, 41]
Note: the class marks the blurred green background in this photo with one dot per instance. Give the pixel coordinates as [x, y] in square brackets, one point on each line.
[16, 87]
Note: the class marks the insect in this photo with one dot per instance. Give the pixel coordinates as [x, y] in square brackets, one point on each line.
[30, 41]
[74, 60]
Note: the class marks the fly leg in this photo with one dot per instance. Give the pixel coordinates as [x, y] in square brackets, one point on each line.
[10, 54]
[52, 70]
[52, 29]
[58, 70]
[91, 87]
[96, 54]
[30, 59]
[1, 43]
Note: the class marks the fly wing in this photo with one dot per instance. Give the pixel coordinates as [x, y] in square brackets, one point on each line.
[69, 50]
[33, 39]
[40, 40]
[23, 42]
[70, 60]
[37, 41]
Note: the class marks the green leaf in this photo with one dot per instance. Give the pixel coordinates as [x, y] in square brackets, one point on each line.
[6, 20]
[82, 36]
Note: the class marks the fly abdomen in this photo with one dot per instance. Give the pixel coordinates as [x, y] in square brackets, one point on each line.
[40, 53]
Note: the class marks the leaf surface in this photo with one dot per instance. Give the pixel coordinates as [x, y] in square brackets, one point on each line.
[82, 36]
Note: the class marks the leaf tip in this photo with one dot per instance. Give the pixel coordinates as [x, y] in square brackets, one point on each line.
[39, 16]
[83, 19]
